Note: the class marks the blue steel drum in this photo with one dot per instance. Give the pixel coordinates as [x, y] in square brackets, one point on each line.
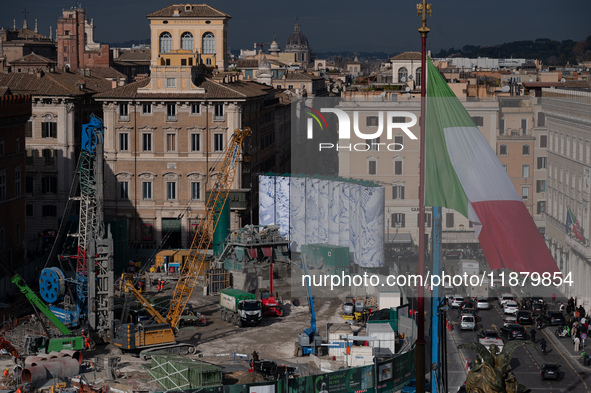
[52, 285]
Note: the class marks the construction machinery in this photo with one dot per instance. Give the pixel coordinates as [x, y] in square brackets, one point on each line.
[7, 346]
[240, 307]
[88, 294]
[158, 333]
[43, 344]
[354, 311]
[309, 341]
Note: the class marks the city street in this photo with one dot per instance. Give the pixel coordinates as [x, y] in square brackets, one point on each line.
[527, 360]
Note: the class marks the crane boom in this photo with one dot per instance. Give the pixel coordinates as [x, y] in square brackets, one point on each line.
[215, 203]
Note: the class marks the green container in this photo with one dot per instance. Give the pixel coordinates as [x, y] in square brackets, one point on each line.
[176, 372]
[326, 255]
[229, 298]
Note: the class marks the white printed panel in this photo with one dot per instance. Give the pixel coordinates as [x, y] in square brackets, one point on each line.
[323, 189]
[282, 205]
[334, 199]
[312, 186]
[297, 199]
[266, 200]
[344, 224]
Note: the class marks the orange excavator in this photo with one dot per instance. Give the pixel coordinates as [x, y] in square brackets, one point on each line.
[5, 345]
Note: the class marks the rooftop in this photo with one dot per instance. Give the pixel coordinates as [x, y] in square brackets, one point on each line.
[188, 11]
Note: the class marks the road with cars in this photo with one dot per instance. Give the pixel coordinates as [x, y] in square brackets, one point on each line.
[527, 360]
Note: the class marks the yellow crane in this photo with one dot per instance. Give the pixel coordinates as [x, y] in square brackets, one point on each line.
[159, 333]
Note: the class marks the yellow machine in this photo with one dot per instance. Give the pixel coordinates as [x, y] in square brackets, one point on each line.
[159, 332]
[354, 311]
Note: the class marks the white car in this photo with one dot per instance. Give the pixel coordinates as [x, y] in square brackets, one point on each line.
[482, 303]
[489, 337]
[506, 297]
[509, 321]
[467, 322]
[510, 307]
[456, 301]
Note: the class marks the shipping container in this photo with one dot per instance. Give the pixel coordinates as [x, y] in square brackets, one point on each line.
[360, 356]
[338, 347]
[385, 344]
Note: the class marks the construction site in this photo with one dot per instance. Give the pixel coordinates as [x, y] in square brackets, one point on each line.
[227, 319]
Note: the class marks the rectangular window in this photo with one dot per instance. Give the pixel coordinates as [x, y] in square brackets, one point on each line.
[449, 220]
[17, 181]
[146, 108]
[171, 191]
[397, 192]
[218, 112]
[170, 82]
[398, 167]
[398, 119]
[506, 167]
[29, 210]
[542, 162]
[29, 184]
[525, 171]
[502, 127]
[123, 190]
[171, 112]
[523, 126]
[29, 129]
[399, 139]
[124, 141]
[49, 129]
[372, 167]
[541, 186]
[2, 186]
[478, 120]
[48, 185]
[525, 193]
[398, 220]
[371, 121]
[146, 190]
[123, 111]
[195, 109]
[49, 156]
[541, 207]
[374, 144]
[49, 211]
[170, 142]
[195, 142]
[525, 150]
[195, 190]
[147, 142]
[502, 150]
[427, 220]
[218, 142]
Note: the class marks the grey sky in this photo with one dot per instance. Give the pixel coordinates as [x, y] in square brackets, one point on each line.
[389, 26]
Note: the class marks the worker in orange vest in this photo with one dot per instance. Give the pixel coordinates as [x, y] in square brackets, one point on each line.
[6, 373]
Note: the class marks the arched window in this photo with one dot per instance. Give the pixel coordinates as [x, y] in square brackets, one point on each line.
[187, 41]
[418, 76]
[402, 75]
[208, 43]
[165, 42]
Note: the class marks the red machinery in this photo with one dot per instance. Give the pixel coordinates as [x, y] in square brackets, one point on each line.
[271, 307]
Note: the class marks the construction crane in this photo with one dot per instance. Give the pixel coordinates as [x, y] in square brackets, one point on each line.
[309, 341]
[160, 332]
[36, 344]
[94, 254]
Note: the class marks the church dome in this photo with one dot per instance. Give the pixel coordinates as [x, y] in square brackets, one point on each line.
[297, 38]
[274, 48]
[264, 63]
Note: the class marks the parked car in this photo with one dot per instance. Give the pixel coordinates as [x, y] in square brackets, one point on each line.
[467, 322]
[490, 337]
[513, 332]
[550, 371]
[456, 301]
[510, 307]
[537, 309]
[524, 318]
[509, 320]
[553, 318]
[505, 297]
[482, 303]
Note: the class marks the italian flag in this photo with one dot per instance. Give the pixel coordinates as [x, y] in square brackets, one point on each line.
[462, 172]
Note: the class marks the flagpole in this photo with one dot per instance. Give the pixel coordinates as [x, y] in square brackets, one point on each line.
[422, 10]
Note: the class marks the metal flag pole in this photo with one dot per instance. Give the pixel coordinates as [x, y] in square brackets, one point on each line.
[422, 10]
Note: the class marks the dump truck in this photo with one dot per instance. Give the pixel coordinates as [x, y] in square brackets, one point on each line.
[240, 308]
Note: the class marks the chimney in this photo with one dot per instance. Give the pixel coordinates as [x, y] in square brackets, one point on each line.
[113, 83]
[87, 72]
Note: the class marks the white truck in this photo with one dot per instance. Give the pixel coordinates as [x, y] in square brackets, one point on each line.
[240, 308]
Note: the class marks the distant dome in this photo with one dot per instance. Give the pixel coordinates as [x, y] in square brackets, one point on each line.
[297, 38]
[274, 48]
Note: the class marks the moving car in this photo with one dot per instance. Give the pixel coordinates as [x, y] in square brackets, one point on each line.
[510, 307]
[456, 301]
[554, 318]
[482, 303]
[467, 322]
[509, 320]
[524, 317]
[466, 304]
[513, 332]
[489, 337]
[550, 371]
[505, 297]
[537, 309]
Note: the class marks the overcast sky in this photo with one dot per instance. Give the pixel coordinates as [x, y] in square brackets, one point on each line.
[344, 25]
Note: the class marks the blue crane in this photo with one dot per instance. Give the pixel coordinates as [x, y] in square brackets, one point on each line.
[309, 341]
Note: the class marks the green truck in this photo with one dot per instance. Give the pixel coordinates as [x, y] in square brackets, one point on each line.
[240, 308]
